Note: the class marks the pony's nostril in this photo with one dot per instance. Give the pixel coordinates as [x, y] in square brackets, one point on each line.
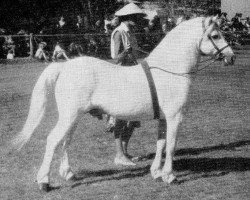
[233, 59]
[230, 61]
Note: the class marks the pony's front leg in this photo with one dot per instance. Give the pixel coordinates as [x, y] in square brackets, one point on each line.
[156, 166]
[172, 126]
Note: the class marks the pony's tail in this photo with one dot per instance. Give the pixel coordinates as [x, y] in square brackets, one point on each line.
[39, 98]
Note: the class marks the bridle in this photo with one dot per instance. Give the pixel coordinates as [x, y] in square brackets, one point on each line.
[218, 55]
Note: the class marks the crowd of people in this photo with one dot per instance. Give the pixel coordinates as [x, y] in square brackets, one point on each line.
[69, 38]
[236, 29]
[237, 23]
[17, 46]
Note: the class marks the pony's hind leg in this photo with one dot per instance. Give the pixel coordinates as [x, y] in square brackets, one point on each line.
[65, 169]
[156, 166]
[63, 126]
[172, 126]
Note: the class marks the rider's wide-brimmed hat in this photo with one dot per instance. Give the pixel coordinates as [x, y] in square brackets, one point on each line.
[129, 9]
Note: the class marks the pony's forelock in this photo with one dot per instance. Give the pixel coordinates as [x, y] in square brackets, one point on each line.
[212, 21]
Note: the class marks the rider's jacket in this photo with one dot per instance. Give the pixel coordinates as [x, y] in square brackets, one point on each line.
[123, 45]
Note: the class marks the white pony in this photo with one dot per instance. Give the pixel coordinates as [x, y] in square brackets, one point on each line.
[83, 84]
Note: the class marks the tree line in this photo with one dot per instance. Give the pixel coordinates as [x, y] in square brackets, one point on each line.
[33, 14]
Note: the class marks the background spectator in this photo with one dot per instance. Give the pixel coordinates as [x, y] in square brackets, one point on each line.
[41, 53]
[247, 23]
[61, 26]
[110, 23]
[80, 24]
[59, 52]
[11, 54]
[99, 26]
[2, 40]
[22, 44]
[237, 25]
[8, 46]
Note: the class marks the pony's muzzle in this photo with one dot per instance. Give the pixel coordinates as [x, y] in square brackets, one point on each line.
[229, 60]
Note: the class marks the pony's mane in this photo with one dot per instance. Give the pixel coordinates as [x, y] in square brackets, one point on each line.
[188, 24]
[183, 40]
[182, 31]
[185, 27]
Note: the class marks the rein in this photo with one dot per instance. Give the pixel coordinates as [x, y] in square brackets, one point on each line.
[188, 73]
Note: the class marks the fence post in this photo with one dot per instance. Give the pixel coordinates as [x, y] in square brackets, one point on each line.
[31, 46]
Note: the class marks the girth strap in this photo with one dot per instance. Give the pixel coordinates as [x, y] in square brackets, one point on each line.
[152, 87]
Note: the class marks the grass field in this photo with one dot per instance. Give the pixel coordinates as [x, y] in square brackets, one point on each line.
[212, 159]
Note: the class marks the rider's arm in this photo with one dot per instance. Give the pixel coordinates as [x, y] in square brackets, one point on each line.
[119, 57]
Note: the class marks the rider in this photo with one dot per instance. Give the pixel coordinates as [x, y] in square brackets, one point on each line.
[123, 51]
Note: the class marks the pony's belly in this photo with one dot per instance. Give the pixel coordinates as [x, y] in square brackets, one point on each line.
[132, 104]
[140, 111]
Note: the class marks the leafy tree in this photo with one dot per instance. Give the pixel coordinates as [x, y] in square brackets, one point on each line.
[32, 14]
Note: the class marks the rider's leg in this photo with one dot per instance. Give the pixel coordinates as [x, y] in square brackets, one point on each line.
[121, 157]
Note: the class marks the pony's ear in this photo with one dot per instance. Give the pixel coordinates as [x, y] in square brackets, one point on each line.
[217, 20]
[208, 21]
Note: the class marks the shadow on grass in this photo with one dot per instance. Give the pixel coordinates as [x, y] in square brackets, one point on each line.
[196, 167]
[226, 164]
[196, 151]
[210, 167]
[111, 174]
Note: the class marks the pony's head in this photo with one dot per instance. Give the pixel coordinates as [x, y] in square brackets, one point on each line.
[213, 43]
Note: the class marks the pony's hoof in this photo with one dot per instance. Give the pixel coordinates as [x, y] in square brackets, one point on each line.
[44, 187]
[67, 175]
[156, 174]
[70, 176]
[170, 179]
[73, 178]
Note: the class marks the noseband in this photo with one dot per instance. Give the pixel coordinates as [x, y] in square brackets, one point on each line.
[218, 55]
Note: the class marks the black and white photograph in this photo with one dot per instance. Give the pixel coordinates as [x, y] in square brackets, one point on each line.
[125, 100]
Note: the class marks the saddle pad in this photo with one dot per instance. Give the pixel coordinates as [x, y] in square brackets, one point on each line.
[152, 87]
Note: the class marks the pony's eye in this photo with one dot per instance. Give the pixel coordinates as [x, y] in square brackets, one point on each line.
[215, 37]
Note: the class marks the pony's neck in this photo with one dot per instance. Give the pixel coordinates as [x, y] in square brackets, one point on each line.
[178, 52]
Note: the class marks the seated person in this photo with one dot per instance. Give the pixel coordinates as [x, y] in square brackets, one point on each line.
[40, 53]
[92, 47]
[11, 54]
[59, 52]
[9, 47]
[75, 49]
